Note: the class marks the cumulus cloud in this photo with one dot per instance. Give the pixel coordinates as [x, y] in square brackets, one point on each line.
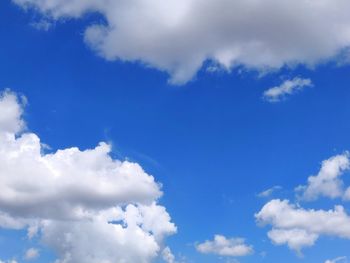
[85, 205]
[222, 246]
[298, 227]
[31, 254]
[327, 182]
[287, 88]
[177, 36]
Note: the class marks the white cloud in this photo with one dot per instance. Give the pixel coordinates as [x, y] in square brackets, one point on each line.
[85, 205]
[168, 256]
[294, 238]
[298, 227]
[338, 259]
[11, 108]
[269, 192]
[31, 254]
[177, 36]
[222, 246]
[8, 261]
[287, 88]
[327, 182]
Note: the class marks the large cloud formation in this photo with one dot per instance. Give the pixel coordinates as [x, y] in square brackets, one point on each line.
[85, 205]
[177, 36]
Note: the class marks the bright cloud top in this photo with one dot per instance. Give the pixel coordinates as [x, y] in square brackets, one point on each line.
[327, 182]
[222, 246]
[84, 205]
[298, 227]
[177, 36]
[287, 88]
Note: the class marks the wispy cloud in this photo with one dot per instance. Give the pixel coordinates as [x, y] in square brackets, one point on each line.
[270, 191]
[287, 88]
[338, 259]
[44, 25]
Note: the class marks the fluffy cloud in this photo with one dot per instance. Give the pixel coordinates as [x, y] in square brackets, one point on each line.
[85, 205]
[287, 88]
[31, 254]
[327, 182]
[222, 246]
[298, 227]
[177, 36]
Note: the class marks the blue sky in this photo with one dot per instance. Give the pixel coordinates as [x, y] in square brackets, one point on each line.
[210, 138]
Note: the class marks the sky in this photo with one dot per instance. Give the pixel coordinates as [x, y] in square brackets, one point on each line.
[174, 131]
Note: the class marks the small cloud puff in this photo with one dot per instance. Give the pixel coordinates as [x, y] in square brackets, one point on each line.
[222, 246]
[31, 254]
